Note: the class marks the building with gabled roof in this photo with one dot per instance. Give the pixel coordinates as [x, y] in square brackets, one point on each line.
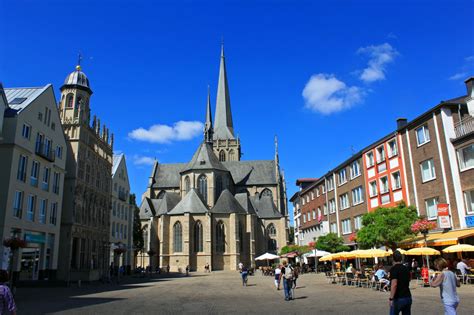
[214, 209]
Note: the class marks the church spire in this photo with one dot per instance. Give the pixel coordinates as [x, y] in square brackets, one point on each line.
[208, 131]
[224, 128]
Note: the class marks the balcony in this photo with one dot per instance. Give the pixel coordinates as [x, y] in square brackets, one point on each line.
[44, 151]
[464, 127]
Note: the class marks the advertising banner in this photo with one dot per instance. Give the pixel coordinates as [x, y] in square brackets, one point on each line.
[443, 216]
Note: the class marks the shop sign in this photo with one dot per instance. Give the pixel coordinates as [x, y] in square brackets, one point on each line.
[443, 216]
[34, 238]
[470, 221]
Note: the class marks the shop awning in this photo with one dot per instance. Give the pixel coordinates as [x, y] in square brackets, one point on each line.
[438, 239]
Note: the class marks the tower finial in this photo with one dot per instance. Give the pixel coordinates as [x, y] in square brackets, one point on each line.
[208, 130]
[277, 159]
[79, 59]
[222, 46]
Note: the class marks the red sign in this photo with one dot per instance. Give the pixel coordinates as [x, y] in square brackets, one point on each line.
[443, 216]
[443, 209]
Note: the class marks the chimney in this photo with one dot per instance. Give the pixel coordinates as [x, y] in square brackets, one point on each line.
[470, 95]
[401, 123]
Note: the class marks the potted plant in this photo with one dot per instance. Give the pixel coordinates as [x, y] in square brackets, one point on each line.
[423, 226]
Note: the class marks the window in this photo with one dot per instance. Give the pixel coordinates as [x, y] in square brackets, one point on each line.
[319, 213]
[380, 154]
[422, 135]
[317, 192]
[59, 151]
[268, 192]
[271, 230]
[202, 187]
[312, 195]
[392, 148]
[53, 214]
[358, 222]
[302, 201]
[115, 186]
[355, 169]
[344, 201]
[26, 131]
[18, 204]
[35, 166]
[469, 199]
[396, 181]
[114, 204]
[357, 195]
[330, 183]
[222, 156]
[42, 212]
[304, 217]
[17, 100]
[332, 206]
[22, 166]
[373, 188]
[220, 237]
[124, 231]
[69, 100]
[384, 185]
[427, 170]
[307, 199]
[56, 177]
[187, 184]
[466, 157]
[45, 185]
[369, 159]
[325, 209]
[431, 208]
[113, 229]
[231, 155]
[314, 214]
[30, 210]
[324, 189]
[342, 176]
[333, 228]
[198, 239]
[177, 237]
[346, 226]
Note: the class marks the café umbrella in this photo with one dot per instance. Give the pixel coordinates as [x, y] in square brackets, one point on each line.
[423, 251]
[267, 257]
[460, 248]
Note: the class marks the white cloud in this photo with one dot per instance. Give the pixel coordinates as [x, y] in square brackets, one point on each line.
[142, 160]
[326, 94]
[182, 130]
[380, 56]
[458, 76]
[464, 71]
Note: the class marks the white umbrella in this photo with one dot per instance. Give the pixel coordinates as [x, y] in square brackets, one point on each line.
[267, 256]
[321, 253]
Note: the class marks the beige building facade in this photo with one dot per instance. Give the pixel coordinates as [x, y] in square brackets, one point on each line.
[32, 170]
[85, 224]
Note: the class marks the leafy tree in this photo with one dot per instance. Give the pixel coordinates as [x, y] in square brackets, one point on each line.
[295, 248]
[291, 235]
[387, 226]
[331, 243]
[138, 242]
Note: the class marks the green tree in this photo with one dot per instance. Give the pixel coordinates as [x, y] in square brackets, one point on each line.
[295, 248]
[138, 242]
[331, 243]
[386, 226]
[291, 235]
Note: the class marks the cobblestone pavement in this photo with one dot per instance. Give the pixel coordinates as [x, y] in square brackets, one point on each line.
[222, 292]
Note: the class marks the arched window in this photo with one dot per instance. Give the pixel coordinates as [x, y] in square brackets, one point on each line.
[177, 237]
[266, 192]
[198, 243]
[145, 237]
[271, 230]
[241, 237]
[161, 194]
[218, 186]
[231, 155]
[187, 184]
[222, 156]
[69, 100]
[220, 237]
[202, 186]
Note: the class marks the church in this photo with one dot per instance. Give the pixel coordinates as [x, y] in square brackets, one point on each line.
[215, 209]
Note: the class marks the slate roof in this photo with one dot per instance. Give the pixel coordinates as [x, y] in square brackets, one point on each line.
[25, 95]
[146, 209]
[166, 203]
[167, 175]
[257, 172]
[265, 207]
[191, 203]
[204, 158]
[116, 162]
[227, 204]
[244, 201]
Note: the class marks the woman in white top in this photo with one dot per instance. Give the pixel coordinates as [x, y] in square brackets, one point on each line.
[447, 282]
[277, 277]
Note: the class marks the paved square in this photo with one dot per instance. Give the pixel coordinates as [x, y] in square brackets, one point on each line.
[222, 292]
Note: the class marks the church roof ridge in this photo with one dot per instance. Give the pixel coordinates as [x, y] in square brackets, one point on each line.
[191, 203]
[204, 158]
[227, 204]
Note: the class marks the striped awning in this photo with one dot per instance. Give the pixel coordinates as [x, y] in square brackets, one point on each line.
[438, 239]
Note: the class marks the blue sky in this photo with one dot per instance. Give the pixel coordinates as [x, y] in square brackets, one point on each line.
[328, 78]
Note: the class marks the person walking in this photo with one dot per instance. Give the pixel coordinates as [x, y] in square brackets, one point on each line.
[244, 273]
[400, 296]
[287, 276]
[7, 303]
[277, 277]
[447, 283]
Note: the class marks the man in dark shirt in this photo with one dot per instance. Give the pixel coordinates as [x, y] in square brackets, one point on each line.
[400, 296]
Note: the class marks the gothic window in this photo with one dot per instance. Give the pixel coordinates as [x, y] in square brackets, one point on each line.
[266, 192]
[161, 194]
[241, 237]
[145, 236]
[187, 184]
[69, 100]
[220, 237]
[202, 186]
[271, 230]
[231, 155]
[218, 186]
[198, 243]
[222, 156]
[177, 237]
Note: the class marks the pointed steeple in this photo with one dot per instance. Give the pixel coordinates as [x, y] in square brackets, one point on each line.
[224, 128]
[208, 131]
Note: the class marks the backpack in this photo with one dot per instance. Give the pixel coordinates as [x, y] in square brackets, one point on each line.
[288, 273]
